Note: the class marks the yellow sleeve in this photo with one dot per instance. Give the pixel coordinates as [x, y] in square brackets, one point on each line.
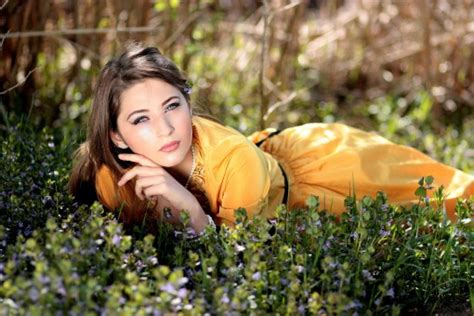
[242, 177]
[115, 198]
[108, 192]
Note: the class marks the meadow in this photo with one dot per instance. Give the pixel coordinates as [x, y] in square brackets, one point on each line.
[401, 70]
[59, 256]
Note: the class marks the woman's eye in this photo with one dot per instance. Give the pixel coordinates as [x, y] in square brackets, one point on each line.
[139, 120]
[172, 106]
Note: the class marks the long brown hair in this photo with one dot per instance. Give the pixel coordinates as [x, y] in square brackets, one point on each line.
[135, 64]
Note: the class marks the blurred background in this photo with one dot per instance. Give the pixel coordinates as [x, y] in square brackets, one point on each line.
[403, 68]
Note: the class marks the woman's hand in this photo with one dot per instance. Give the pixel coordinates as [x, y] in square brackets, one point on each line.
[153, 181]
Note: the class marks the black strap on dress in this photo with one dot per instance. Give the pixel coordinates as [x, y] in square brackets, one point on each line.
[285, 195]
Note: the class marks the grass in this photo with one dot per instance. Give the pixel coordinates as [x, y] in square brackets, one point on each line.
[58, 256]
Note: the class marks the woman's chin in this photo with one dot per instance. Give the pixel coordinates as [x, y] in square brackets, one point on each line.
[166, 163]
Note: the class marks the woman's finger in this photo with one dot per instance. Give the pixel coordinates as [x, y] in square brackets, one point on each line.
[139, 171]
[154, 190]
[139, 159]
[144, 182]
[129, 175]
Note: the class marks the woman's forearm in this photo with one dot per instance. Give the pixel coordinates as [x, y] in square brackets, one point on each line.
[198, 219]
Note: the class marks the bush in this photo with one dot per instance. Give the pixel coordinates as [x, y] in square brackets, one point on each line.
[33, 177]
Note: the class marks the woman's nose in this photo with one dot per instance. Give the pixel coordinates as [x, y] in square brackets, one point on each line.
[165, 128]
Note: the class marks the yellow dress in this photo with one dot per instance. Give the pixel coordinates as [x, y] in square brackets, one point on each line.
[326, 160]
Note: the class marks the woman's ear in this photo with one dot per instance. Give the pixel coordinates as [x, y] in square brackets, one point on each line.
[118, 140]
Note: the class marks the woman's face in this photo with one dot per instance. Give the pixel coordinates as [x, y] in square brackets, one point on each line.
[153, 114]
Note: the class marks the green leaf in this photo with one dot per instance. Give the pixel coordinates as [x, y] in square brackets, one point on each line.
[184, 217]
[429, 180]
[51, 224]
[420, 192]
[240, 214]
[312, 201]
[367, 201]
[366, 216]
[30, 244]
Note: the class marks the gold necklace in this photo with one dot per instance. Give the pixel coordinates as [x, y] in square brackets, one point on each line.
[193, 166]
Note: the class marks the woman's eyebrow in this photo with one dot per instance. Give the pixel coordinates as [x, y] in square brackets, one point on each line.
[144, 110]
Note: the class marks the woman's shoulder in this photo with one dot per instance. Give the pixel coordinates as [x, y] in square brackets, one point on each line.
[213, 135]
[223, 145]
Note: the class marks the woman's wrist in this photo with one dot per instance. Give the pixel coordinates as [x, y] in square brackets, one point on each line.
[199, 220]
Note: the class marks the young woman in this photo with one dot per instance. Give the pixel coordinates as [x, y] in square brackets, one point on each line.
[146, 151]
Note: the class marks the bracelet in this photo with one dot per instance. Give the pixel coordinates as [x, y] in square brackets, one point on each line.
[211, 221]
[191, 234]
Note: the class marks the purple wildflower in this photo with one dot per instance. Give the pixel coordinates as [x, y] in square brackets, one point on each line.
[384, 207]
[116, 240]
[60, 286]
[44, 279]
[256, 276]
[182, 293]
[333, 264]
[383, 233]
[34, 294]
[139, 264]
[326, 245]
[169, 288]
[225, 299]
[75, 276]
[367, 275]
[190, 231]
[301, 309]
[391, 292]
[349, 306]
[357, 304]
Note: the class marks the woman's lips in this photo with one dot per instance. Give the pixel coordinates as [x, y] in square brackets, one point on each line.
[170, 147]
